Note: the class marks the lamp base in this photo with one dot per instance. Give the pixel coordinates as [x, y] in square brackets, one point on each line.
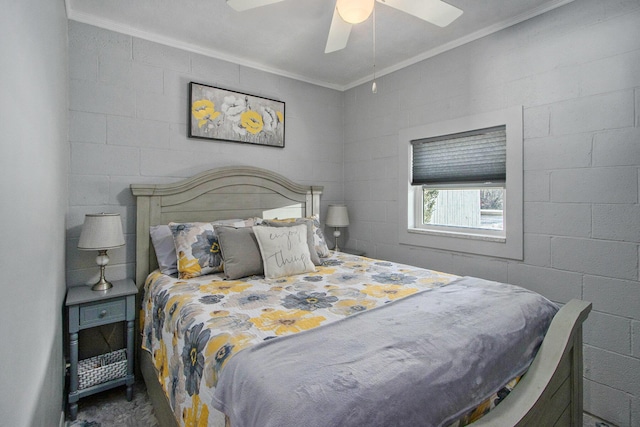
[336, 234]
[102, 260]
[102, 285]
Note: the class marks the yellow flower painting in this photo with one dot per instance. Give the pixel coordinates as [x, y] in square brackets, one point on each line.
[222, 114]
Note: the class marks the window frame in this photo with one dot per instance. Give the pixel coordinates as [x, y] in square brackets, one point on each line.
[437, 229]
[454, 239]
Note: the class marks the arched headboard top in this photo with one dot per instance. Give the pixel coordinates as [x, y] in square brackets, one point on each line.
[221, 193]
[213, 175]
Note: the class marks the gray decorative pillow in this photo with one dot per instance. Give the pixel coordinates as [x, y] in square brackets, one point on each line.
[315, 259]
[240, 252]
[284, 250]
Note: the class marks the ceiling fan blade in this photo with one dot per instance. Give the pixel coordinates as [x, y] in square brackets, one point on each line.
[338, 33]
[242, 5]
[435, 11]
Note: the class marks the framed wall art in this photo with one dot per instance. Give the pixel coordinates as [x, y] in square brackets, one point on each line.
[222, 114]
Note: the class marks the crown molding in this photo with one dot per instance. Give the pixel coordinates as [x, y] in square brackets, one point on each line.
[86, 18]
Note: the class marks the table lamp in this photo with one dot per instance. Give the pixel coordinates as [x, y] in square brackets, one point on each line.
[337, 216]
[101, 232]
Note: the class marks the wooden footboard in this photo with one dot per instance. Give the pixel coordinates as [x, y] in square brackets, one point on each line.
[550, 393]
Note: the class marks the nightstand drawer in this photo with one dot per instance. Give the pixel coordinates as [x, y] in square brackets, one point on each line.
[102, 313]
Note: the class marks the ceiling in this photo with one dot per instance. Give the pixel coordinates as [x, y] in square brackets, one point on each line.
[288, 38]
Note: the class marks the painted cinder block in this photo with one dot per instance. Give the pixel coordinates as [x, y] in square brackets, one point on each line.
[214, 72]
[152, 53]
[609, 403]
[563, 152]
[635, 338]
[83, 66]
[617, 222]
[103, 159]
[595, 185]
[537, 250]
[137, 132]
[608, 331]
[610, 74]
[618, 371]
[537, 186]
[559, 219]
[161, 108]
[597, 257]
[617, 147]
[536, 122]
[97, 98]
[86, 39]
[558, 286]
[87, 127]
[619, 297]
[133, 75]
[88, 190]
[593, 113]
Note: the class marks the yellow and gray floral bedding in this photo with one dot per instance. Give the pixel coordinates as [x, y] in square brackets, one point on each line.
[193, 327]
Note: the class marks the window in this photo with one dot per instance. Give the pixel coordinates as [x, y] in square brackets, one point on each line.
[463, 190]
[460, 180]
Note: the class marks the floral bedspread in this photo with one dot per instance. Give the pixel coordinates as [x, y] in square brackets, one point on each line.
[192, 327]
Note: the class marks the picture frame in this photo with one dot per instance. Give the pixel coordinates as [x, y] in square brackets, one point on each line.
[227, 115]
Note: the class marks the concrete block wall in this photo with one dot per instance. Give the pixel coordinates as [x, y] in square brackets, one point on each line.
[576, 72]
[128, 109]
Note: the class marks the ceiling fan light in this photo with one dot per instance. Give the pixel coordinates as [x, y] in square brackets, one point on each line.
[354, 11]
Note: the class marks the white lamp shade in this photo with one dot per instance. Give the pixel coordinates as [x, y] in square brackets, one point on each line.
[101, 231]
[355, 11]
[337, 216]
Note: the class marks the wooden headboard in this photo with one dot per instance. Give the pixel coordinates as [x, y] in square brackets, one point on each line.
[223, 193]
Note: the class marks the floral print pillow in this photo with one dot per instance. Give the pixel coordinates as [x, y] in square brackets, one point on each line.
[197, 249]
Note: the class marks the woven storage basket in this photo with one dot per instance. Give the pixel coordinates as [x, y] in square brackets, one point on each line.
[102, 368]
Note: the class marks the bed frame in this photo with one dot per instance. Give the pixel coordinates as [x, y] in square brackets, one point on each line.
[550, 394]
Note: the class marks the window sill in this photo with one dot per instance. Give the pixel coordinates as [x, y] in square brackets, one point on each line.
[458, 235]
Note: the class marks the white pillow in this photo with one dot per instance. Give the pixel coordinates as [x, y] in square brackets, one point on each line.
[284, 250]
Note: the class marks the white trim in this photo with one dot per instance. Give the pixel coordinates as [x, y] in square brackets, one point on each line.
[86, 18]
[511, 246]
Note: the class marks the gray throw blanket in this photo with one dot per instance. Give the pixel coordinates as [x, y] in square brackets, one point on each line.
[424, 360]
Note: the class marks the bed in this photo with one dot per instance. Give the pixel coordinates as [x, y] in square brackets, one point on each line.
[549, 393]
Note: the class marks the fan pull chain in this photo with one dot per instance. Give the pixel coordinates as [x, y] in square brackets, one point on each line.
[374, 86]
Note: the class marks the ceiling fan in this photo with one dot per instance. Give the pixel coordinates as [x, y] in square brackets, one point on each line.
[349, 12]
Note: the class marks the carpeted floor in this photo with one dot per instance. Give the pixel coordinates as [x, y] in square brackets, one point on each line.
[111, 409]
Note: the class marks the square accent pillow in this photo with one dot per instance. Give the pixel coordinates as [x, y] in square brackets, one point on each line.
[240, 252]
[319, 241]
[284, 250]
[197, 249]
[315, 259]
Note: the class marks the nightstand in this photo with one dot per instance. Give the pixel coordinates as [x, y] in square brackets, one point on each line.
[88, 309]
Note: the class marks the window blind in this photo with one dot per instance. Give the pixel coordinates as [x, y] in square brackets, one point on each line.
[474, 157]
